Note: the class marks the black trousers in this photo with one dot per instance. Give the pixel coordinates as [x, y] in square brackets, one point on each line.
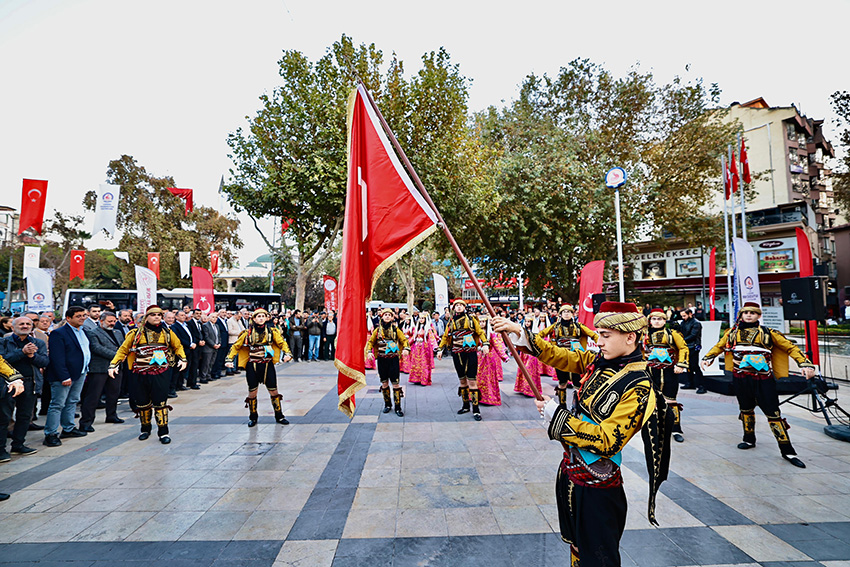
[257, 373]
[592, 519]
[205, 364]
[218, 365]
[96, 382]
[762, 393]
[388, 369]
[296, 346]
[192, 356]
[22, 406]
[147, 389]
[466, 364]
[666, 380]
[568, 377]
[693, 368]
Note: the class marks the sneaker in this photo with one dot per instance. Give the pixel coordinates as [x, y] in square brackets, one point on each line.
[72, 433]
[23, 450]
[678, 438]
[5, 457]
[51, 441]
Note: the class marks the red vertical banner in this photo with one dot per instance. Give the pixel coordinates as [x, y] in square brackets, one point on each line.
[186, 195]
[712, 282]
[153, 263]
[806, 270]
[745, 164]
[33, 198]
[215, 255]
[78, 265]
[590, 282]
[203, 296]
[734, 168]
[330, 285]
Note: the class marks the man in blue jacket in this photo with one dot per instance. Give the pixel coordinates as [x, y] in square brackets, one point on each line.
[69, 353]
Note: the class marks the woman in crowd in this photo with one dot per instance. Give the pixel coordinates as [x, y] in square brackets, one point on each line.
[531, 363]
[490, 365]
[423, 341]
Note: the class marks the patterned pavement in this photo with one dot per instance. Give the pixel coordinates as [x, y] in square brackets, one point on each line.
[429, 489]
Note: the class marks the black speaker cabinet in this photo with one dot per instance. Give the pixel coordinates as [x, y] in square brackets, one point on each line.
[598, 299]
[804, 299]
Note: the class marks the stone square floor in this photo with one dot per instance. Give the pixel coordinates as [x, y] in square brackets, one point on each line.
[430, 489]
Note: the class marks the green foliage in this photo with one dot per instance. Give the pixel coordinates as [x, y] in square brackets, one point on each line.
[841, 179]
[154, 220]
[555, 144]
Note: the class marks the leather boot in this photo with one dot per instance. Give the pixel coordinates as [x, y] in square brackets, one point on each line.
[388, 402]
[475, 397]
[463, 392]
[253, 416]
[748, 419]
[561, 394]
[676, 408]
[397, 396]
[161, 413]
[278, 413]
[145, 414]
[780, 429]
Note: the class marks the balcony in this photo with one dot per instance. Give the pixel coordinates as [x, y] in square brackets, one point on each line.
[777, 215]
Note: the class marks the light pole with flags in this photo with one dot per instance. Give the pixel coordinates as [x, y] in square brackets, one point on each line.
[614, 179]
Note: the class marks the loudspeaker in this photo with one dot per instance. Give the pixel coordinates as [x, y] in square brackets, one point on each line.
[804, 299]
[598, 299]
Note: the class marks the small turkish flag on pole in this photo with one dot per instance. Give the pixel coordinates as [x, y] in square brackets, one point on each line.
[214, 256]
[33, 198]
[745, 164]
[734, 167]
[153, 263]
[202, 290]
[78, 265]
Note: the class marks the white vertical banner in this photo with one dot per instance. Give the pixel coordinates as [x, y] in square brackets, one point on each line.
[39, 290]
[441, 293]
[746, 270]
[123, 256]
[184, 264]
[106, 208]
[145, 288]
[32, 257]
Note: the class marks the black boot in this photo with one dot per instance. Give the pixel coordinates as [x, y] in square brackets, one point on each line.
[145, 414]
[748, 419]
[398, 395]
[253, 416]
[561, 393]
[463, 392]
[278, 413]
[162, 424]
[475, 397]
[676, 408]
[388, 402]
[780, 429]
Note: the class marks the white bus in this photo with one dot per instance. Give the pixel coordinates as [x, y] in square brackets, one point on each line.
[171, 299]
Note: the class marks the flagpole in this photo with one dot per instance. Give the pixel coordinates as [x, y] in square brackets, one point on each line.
[731, 190]
[442, 224]
[728, 255]
[741, 188]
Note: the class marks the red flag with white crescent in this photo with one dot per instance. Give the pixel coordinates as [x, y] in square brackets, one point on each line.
[186, 195]
[734, 169]
[78, 265]
[33, 199]
[203, 296]
[804, 249]
[214, 257]
[745, 164]
[385, 217]
[590, 282]
[712, 282]
[153, 263]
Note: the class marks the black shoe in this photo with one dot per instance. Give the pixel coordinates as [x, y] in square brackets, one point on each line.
[144, 435]
[252, 422]
[204, 381]
[462, 411]
[165, 439]
[5, 457]
[744, 445]
[701, 390]
[101, 406]
[23, 450]
[87, 429]
[114, 420]
[688, 387]
[51, 441]
[73, 433]
[35, 427]
[181, 388]
[195, 387]
[172, 395]
[387, 409]
[3, 496]
[282, 420]
[678, 438]
[398, 412]
[476, 416]
[790, 458]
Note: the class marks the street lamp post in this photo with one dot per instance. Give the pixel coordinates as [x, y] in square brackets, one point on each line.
[614, 179]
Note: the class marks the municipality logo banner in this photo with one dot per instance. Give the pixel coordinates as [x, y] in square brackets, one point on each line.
[106, 208]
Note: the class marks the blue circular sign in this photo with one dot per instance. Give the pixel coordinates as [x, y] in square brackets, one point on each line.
[615, 178]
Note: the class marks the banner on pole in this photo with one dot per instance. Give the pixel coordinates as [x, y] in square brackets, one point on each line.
[32, 257]
[145, 288]
[590, 282]
[203, 295]
[330, 285]
[106, 208]
[78, 265]
[746, 272]
[441, 293]
[153, 263]
[122, 256]
[215, 255]
[39, 290]
[33, 199]
[712, 283]
[184, 264]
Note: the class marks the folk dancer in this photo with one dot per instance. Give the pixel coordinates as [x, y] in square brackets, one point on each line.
[614, 401]
[532, 364]
[756, 356]
[151, 351]
[667, 356]
[464, 336]
[390, 343]
[258, 349]
[490, 366]
[568, 333]
[423, 341]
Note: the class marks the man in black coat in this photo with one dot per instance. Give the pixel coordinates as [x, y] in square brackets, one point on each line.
[27, 355]
[211, 339]
[221, 353]
[183, 331]
[103, 344]
[691, 330]
[194, 367]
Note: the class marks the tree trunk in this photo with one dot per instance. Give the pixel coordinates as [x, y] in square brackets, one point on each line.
[300, 285]
[405, 272]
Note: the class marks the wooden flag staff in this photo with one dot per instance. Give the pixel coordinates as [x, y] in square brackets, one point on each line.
[442, 224]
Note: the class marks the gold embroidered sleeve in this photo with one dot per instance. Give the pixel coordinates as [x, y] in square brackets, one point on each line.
[370, 344]
[445, 340]
[588, 333]
[8, 371]
[558, 357]
[234, 350]
[609, 437]
[401, 337]
[124, 349]
[793, 350]
[682, 347]
[280, 342]
[547, 332]
[718, 348]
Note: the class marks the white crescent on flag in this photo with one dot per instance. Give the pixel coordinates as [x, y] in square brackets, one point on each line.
[36, 191]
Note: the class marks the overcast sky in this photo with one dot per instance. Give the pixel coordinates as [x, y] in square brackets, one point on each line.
[84, 81]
